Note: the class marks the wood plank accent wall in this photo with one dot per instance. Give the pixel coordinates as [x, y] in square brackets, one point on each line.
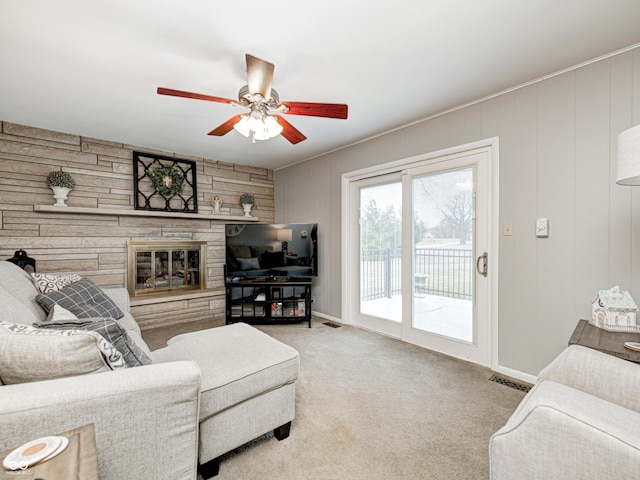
[95, 245]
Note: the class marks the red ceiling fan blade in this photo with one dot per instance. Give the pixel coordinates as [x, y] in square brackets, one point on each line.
[260, 75]
[197, 96]
[290, 132]
[226, 127]
[328, 110]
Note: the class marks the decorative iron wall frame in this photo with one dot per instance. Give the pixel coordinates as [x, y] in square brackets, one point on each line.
[147, 197]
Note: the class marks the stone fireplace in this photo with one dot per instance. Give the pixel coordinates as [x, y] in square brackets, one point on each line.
[166, 267]
[90, 237]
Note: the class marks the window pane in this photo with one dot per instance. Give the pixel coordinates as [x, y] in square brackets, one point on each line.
[443, 253]
[381, 251]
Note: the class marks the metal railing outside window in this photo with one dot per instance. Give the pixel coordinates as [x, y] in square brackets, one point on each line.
[380, 273]
[438, 271]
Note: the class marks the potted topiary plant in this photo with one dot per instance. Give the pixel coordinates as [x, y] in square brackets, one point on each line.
[61, 183]
[246, 200]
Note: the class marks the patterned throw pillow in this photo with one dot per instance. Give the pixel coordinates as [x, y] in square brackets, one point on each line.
[31, 354]
[110, 330]
[51, 282]
[83, 298]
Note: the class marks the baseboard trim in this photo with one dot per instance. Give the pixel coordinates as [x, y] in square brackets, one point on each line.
[328, 317]
[516, 374]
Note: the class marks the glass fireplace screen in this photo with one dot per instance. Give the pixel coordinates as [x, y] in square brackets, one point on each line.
[169, 266]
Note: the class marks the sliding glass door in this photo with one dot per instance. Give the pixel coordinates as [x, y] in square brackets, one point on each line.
[419, 249]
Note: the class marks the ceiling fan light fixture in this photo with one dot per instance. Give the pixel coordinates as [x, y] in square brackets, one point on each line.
[272, 126]
[242, 126]
[258, 126]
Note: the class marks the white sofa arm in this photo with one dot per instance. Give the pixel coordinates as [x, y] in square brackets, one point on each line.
[120, 296]
[146, 418]
[559, 432]
[597, 373]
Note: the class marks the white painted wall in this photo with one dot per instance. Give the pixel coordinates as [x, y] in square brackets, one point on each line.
[557, 160]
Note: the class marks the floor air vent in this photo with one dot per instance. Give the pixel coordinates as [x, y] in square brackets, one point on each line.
[332, 325]
[510, 383]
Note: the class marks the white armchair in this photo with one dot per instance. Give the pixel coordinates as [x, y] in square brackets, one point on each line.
[581, 420]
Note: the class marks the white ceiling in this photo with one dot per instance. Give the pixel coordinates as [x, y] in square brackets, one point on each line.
[92, 67]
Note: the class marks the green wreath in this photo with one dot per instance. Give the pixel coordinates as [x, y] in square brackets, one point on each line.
[168, 181]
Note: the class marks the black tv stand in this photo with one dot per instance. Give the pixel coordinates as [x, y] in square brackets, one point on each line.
[268, 300]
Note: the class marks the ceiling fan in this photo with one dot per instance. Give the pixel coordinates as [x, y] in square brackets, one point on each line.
[263, 121]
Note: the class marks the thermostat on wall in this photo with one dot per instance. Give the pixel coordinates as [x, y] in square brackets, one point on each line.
[542, 227]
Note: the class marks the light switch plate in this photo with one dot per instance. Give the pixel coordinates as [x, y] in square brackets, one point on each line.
[507, 228]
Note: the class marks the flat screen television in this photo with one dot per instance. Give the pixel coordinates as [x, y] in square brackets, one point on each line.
[282, 249]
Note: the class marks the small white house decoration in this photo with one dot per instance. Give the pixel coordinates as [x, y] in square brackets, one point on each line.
[614, 310]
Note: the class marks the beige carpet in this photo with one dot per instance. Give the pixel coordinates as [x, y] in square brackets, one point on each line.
[371, 407]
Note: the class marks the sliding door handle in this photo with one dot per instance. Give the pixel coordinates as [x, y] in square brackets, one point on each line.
[485, 264]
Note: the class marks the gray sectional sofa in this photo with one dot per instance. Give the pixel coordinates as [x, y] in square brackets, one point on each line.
[187, 404]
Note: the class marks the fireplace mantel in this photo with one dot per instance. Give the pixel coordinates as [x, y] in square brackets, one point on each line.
[140, 213]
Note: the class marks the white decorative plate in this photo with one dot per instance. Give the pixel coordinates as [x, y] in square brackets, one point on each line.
[64, 442]
[33, 452]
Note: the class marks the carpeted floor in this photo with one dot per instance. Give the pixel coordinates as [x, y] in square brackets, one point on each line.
[370, 407]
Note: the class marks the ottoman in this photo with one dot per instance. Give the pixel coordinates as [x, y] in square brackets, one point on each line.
[246, 390]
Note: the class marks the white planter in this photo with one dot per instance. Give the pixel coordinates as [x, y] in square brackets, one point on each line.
[60, 194]
[247, 209]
